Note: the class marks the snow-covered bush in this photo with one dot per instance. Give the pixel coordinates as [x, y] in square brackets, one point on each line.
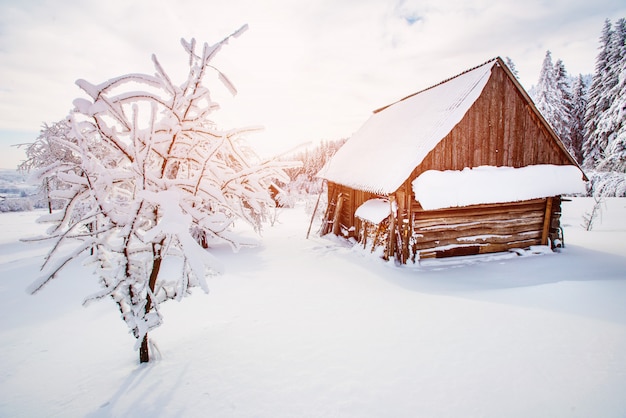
[16, 204]
[50, 148]
[606, 184]
[152, 176]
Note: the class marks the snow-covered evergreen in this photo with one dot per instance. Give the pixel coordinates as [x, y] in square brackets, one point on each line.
[612, 121]
[562, 121]
[512, 67]
[544, 93]
[553, 98]
[607, 184]
[605, 111]
[150, 178]
[303, 178]
[577, 118]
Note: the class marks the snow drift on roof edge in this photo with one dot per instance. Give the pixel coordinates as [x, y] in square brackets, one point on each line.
[381, 155]
[487, 184]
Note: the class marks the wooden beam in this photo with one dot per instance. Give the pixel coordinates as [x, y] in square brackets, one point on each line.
[336, 216]
[391, 238]
[547, 220]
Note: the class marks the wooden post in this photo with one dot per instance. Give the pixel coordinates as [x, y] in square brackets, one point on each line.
[314, 212]
[365, 228]
[326, 222]
[547, 220]
[379, 230]
[403, 227]
[391, 239]
[337, 214]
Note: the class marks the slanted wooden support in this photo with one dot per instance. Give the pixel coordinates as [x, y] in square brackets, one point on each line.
[391, 239]
[547, 220]
[313, 215]
[379, 231]
[337, 215]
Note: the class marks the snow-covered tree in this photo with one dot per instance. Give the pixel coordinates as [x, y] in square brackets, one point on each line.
[303, 178]
[577, 119]
[599, 100]
[563, 107]
[154, 174]
[48, 149]
[512, 67]
[552, 96]
[612, 122]
[607, 184]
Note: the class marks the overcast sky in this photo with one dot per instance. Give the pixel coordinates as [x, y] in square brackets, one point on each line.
[305, 70]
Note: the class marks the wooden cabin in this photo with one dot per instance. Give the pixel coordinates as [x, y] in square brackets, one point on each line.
[475, 130]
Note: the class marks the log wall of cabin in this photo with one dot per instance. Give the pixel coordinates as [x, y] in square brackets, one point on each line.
[481, 228]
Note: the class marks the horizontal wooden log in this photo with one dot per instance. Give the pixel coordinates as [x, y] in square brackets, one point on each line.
[497, 226]
[478, 229]
[439, 252]
[511, 207]
[534, 236]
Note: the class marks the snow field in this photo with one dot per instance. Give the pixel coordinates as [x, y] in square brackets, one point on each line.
[314, 328]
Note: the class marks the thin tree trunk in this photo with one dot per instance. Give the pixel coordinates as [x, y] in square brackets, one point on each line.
[47, 187]
[144, 354]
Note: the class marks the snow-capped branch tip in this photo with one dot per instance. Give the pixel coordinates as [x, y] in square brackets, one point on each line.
[190, 45]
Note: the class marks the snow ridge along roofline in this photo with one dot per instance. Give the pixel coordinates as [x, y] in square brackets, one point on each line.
[380, 109]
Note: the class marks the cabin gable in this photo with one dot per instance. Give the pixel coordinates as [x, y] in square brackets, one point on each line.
[499, 129]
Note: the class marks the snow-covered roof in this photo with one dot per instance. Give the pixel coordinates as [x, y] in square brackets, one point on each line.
[486, 184]
[381, 155]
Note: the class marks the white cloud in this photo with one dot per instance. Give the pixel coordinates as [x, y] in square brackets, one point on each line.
[306, 70]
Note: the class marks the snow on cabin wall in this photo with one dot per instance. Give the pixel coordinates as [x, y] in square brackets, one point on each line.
[483, 185]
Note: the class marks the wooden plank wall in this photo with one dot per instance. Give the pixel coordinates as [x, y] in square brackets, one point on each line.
[500, 129]
[478, 229]
[349, 225]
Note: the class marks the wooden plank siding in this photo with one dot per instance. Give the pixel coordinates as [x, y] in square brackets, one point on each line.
[479, 229]
[349, 224]
[500, 129]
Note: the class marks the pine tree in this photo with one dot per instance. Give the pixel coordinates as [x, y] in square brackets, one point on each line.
[553, 98]
[596, 139]
[512, 67]
[613, 121]
[563, 104]
[577, 119]
[544, 92]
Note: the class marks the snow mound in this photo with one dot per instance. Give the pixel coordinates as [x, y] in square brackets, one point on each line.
[374, 211]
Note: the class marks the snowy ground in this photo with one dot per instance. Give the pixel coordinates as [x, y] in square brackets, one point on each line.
[313, 328]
